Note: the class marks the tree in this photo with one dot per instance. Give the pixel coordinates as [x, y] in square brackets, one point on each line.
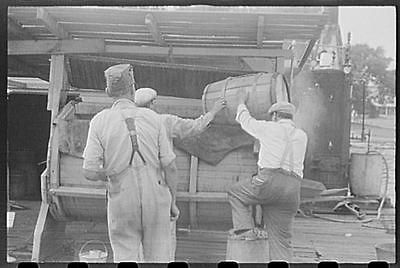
[370, 64]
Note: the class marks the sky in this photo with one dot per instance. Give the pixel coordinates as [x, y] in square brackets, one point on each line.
[372, 25]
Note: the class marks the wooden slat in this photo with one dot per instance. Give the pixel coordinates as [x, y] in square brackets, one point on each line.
[78, 192]
[202, 197]
[198, 51]
[31, 47]
[100, 193]
[194, 164]
[260, 31]
[51, 23]
[56, 84]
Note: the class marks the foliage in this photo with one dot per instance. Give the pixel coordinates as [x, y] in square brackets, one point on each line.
[370, 64]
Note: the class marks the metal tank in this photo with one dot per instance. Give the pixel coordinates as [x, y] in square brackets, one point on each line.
[322, 98]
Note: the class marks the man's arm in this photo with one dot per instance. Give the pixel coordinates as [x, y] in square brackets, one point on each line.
[93, 157]
[167, 159]
[247, 122]
[183, 128]
[171, 174]
[94, 175]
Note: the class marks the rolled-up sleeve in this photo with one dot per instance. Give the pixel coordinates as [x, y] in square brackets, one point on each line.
[93, 155]
[166, 154]
[248, 123]
[183, 128]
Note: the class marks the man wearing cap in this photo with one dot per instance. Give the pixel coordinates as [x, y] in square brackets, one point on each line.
[127, 147]
[276, 187]
[177, 128]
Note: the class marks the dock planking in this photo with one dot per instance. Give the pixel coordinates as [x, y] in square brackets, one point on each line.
[314, 240]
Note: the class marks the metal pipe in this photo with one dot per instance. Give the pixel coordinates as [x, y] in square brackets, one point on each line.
[363, 113]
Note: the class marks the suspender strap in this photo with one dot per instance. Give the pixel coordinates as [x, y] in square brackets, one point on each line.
[130, 123]
[288, 148]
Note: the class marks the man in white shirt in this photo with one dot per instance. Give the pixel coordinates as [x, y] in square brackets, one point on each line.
[177, 127]
[276, 187]
[127, 147]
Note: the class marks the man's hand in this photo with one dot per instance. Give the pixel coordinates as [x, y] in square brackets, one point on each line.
[218, 106]
[174, 212]
[242, 96]
[92, 175]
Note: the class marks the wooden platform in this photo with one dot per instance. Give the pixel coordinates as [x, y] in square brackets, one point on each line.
[314, 239]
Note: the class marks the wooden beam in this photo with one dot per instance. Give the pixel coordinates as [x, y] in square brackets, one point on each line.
[260, 31]
[57, 85]
[152, 25]
[101, 193]
[199, 51]
[194, 164]
[16, 29]
[51, 24]
[31, 47]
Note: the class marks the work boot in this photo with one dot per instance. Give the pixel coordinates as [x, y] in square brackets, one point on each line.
[243, 234]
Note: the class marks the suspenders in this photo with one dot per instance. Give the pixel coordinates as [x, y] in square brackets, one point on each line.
[130, 124]
[289, 147]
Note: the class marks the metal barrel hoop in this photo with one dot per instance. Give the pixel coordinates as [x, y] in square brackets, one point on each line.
[272, 92]
[223, 93]
[287, 86]
[92, 241]
[204, 98]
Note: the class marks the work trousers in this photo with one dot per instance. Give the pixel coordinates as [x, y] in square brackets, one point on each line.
[138, 213]
[279, 197]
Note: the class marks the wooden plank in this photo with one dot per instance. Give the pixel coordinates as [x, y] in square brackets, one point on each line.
[154, 29]
[51, 23]
[198, 51]
[56, 85]
[32, 47]
[202, 197]
[46, 234]
[194, 164]
[260, 31]
[100, 194]
[78, 192]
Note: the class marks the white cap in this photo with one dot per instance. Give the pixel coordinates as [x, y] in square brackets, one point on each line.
[282, 106]
[144, 95]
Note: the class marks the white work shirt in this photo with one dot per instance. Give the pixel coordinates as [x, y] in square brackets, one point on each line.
[272, 137]
[109, 145]
[182, 128]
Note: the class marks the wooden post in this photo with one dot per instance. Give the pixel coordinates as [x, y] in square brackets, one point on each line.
[47, 228]
[47, 232]
[194, 163]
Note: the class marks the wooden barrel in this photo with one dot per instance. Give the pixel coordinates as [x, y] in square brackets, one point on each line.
[264, 90]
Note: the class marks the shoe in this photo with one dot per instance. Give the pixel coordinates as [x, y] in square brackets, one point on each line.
[243, 234]
[260, 233]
